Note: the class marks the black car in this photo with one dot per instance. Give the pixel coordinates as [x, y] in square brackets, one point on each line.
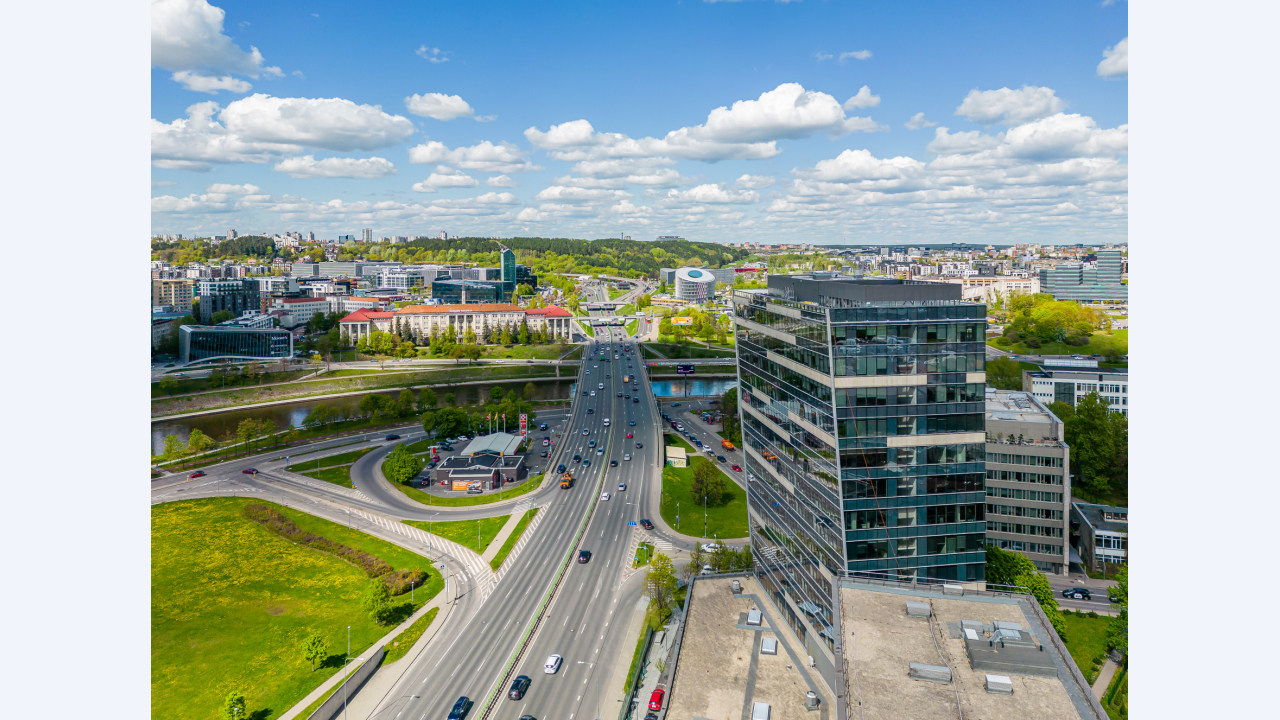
[651, 716]
[675, 404]
[584, 556]
[518, 687]
[560, 468]
[635, 399]
[619, 394]
[584, 393]
[1077, 594]
[460, 708]
[576, 458]
[445, 446]
[613, 463]
[393, 437]
[633, 423]
[646, 523]
[628, 395]
[639, 445]
[590, 411]
[720, 458]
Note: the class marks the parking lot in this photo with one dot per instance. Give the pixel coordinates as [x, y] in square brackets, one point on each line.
[534, 463]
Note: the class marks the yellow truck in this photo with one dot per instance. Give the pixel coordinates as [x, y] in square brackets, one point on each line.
[726, 445]
[566, 481]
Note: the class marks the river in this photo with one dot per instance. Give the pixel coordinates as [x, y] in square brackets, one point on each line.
[692, 388]
[220, 425]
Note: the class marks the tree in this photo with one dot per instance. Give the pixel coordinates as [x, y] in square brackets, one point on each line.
[429, 422]
[233, 706]
[246, 431]
[708, 483]
[456, 353]
[1118, 629]
[697, 559]
[1099, 441]
[471, 352]
[314, 647]
[405, 403]
[450, 399]
[172, 447]
[198, 442]
[496, 393]
[530, 392]
[660, 586]
[1004, 374]
[427, 398]
[401, 466]
[1006, 567]
[222, 316]
[729, 421]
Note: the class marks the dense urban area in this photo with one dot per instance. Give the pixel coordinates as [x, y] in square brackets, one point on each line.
[450, 476]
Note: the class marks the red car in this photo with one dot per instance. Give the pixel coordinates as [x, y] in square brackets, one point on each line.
[249, 471]
[196, 474]
[737, 468]
[655, 700]
[628, 436]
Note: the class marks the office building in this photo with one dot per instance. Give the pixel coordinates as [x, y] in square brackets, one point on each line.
[175, 293]
[401, 278]
[252, 319]
[1100, 533]
[236, 296]
[1028, 480]
[426, 319]
[366, 235]
[862, 411]
[461, 292]
[694, 285]
[1082, 283]
[232, 342]
[1054, 383]
[667, 276]
[163, 322]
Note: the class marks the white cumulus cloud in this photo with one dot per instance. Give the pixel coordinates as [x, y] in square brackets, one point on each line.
[307, 166]
[439, 106]
[503, 157]
[500, 181]
[211, 84]
[326, 123]
[187, 38]
[753, 182]
[918, 122]
[712, 194]
[864, 99]
[1010, 107]
[445, 177]
[197, 141]
[1115, 60]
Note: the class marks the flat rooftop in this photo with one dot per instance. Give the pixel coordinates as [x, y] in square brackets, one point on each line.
[1096, 516]
[881, 641]
[721, 670]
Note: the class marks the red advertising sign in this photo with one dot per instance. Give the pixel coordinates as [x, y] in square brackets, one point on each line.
[524, 424]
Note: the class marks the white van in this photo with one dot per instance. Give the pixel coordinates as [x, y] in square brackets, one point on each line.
[606, 422]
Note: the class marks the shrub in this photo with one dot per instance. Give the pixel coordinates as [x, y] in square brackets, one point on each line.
[401, 581]
[271, 519]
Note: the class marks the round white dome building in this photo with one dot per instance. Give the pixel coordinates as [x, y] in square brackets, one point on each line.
[694, 285]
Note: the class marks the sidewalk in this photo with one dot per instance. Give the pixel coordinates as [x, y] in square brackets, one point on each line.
[611, 704]
[501, 538]
[1104, 678]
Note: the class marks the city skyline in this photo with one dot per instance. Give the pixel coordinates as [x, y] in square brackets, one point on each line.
[721, 130]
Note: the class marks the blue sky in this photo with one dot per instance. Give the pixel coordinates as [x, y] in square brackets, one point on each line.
[714, 121]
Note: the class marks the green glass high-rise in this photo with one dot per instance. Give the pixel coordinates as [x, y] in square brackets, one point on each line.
[862, 408]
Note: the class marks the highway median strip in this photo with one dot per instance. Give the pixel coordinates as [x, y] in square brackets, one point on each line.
[496, 562]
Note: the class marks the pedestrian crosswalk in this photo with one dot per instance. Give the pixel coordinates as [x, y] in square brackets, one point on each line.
[472, 565]
[524, 539]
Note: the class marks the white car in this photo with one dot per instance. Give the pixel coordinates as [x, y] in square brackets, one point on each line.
[626, 456]
[709, 547]
[604, 496]
[606, 422]
[552, 666]
[706, 570]
[601, 386]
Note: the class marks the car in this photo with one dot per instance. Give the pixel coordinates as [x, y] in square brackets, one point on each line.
[601, 386]
[250, 471]
[543, 426]
[619, 394]
[426, 482]
[737, 468]
[591, 443]
[629, 435]
[593, 393]
[613, 463]
[576, 458]
[196, 474]
[600, 451]
[446, 447]
[460, 708]
[589, 372]
[655, 700]
[584, 556]
[606, 376]
[706, 570]
[651, 716]
[591, 411]
[720, 458]
[1077, 594]
[626, 456]
[519, 687]
[709, 547]
[584, 393]
[646, 523]
[604, 496]
[675, 404]
[530, 362]
[552, 665]
[622, 487]
[680, 427]
[586, 462]
[560, 467]
[635, 399]
[606, 422]
[393, 436]
[633, 423]
[544, 453]
[585, 431]
[639, 446]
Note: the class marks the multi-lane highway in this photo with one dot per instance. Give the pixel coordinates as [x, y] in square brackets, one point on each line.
[585, 620]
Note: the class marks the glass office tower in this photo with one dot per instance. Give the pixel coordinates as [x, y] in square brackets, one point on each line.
[862, 408]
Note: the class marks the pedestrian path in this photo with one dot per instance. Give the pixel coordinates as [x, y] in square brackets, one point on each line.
[472, 565]
[1104, 678]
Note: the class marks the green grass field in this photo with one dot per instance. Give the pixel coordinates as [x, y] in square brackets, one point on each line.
[507, 546]
[644, 552]
[1087, 641]
[625, 310]
[678, 441]
[631, 327]
[340, 475]
[726, 520]
[474, 534]
[402, 643]
[464, 500]
[524, 352]
[682, 351]
[345, 458]
[1102, 342]
[231, 603]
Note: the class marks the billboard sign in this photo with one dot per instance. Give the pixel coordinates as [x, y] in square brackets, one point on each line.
[681, 321]
[684, 369]
[524, 424]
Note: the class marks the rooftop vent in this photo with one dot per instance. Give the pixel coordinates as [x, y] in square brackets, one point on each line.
[918, 609]
[1002, 684]
[932, 673]
[953, 590]
[769, 646]
[753, 617]
[759, 711]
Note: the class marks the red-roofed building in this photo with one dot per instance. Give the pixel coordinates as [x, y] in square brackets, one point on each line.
[551, 318]
[478, 317]
[362, 322]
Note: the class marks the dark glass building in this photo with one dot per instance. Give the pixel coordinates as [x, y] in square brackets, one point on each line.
[460, 292]
[862, 410]
[198, 343]
[236, 296]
